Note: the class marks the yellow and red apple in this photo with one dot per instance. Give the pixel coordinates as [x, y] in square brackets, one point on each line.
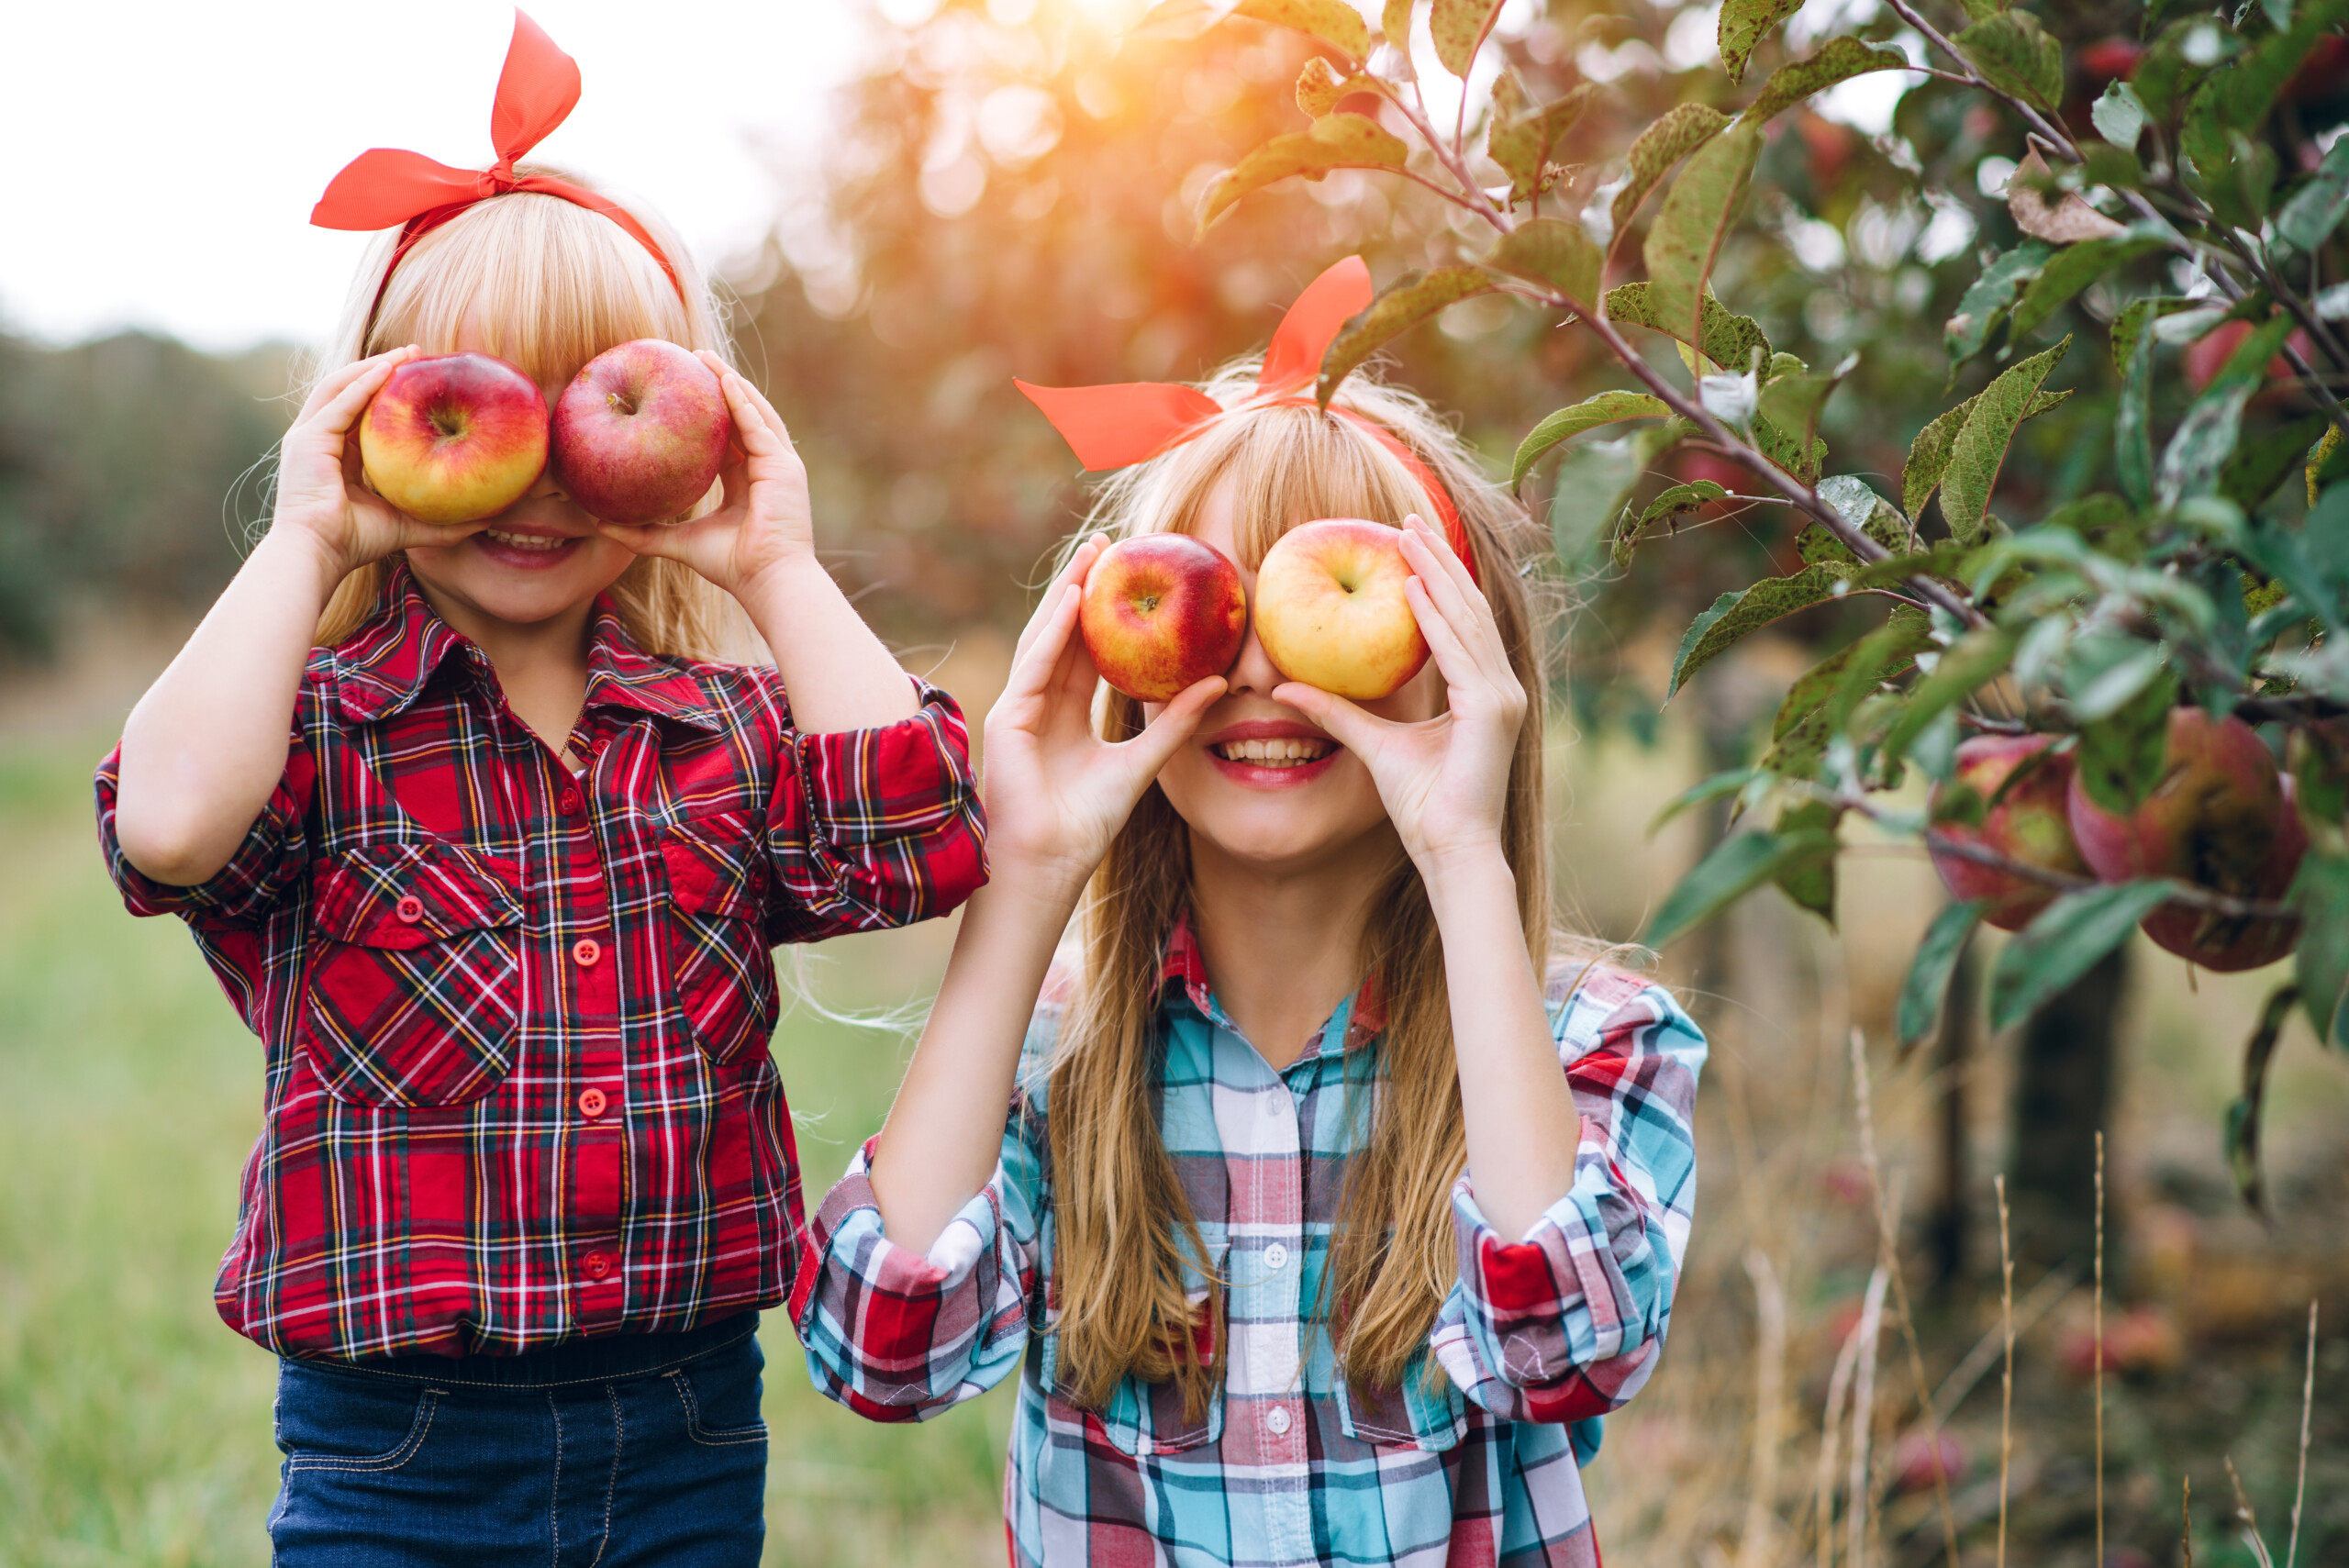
[1330, 610]
[454, 437]
[1162, 612]
[2026, 788]
[641, 432]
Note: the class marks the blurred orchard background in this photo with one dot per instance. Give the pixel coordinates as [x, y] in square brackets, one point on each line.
[911, 201]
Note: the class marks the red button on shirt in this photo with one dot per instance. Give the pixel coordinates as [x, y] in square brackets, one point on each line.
[585, 952]
[597, 1264]
[410, 908]
[592, 1103]
[568, 803]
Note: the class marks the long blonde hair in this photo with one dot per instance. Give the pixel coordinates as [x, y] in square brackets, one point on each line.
[1123, 1224]
[550, 286]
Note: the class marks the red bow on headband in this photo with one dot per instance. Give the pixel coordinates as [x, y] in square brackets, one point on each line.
[536, 93]
[1130, 422]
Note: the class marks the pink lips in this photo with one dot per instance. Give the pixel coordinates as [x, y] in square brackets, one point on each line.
[527, 560]
[1258, 775]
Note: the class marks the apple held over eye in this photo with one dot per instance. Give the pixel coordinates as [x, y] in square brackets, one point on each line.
[2027, 822]
[1330, 610]
[454, 437]
[1162, 612]
[641, 432]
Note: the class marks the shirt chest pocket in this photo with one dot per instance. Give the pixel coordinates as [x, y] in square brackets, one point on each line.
[415, 984]
[720, 968]
[1143, 1420]
[1426, 1412]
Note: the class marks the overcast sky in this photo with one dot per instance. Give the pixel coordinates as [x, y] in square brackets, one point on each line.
[163, 157]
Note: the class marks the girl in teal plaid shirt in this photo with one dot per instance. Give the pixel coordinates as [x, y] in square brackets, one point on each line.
[1339, 1194]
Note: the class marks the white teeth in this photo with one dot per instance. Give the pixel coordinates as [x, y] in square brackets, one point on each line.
[1289, 752]
[525, 541]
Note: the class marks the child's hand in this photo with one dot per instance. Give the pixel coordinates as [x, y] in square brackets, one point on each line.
[320, 493]
[1057, 793]
[1444, 780]
[765, 520]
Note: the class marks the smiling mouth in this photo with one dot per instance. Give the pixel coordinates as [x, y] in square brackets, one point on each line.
[1283, 754]
[525, 541]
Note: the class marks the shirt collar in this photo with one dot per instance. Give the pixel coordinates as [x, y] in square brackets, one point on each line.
[384, 667]
[1184, 965]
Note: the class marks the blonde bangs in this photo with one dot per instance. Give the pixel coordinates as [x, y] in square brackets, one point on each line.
[549, 284]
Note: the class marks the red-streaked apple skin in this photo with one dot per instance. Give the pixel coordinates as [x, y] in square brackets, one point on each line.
[2228, 942]
[1330, 610]
[2029, 825]
[454, 437]
[1161, 613]
[2214, 819]
[641, 433]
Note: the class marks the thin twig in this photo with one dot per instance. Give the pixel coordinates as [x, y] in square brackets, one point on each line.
[1769, 1398]
[2099, 1347]
[1856, 1504]
[2308, 1397]
[2007, 1396]
[2249, 1519]
[2185, 1531]
[1839, 1384]
[2053, 1286]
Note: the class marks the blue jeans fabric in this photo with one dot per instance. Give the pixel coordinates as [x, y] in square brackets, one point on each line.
[644, 1449]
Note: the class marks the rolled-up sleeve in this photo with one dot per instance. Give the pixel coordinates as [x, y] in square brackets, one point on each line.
[1567, 1322]
[272, 857]
[875, 827]
[897, 1334]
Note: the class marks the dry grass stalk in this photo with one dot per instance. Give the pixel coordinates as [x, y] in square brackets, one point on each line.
[1839, 1385]
[2043, 1297]
[1888, 1223]
[2300, 1486]
[1769, 1399]
[1856, 1499]
[2185, 1531]
[2007, 1397]
[2100, 1348]
[2249, 1519]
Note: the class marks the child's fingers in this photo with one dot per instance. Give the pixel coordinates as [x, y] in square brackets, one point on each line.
[754, 417]
[340, 399]
[1459, 666]
[1080, 561]
[1038, 660]
[1350, 725]
[1176, 724]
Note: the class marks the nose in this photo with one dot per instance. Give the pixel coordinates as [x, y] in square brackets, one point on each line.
[546, 486]
[1253, 670]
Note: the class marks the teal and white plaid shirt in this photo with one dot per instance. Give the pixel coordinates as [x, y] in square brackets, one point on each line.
[1290, 1464]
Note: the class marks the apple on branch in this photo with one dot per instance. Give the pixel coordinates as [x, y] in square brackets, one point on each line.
[1162, 612]
[641, 433]
[2025, 785]
[1330, 610]
[454, 437]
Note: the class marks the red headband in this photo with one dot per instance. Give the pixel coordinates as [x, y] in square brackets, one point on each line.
[1130, 422]
[536, 93]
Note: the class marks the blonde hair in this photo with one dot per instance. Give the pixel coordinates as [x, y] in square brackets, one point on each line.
[549, 284]
[1124, 1225]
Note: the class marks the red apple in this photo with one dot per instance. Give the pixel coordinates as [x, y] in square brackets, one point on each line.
[1330, 610]
[2110, 59]
[2232, 942]
[1918, 1462]
[641, 432]
[454, 437]
[1160, 612]
[2208, 355]
[2028, 824]
[2213, 820]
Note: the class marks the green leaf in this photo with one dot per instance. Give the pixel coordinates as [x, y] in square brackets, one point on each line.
[2260, 462]
[1338, 141]
[1413, 298]
[1809, 883]
[1554, 253]
[2327, 460]
[2132, 420]
[1840, 59]
[1928, 455]
[1605, 409]
[2118, 118]
[2321, 964]
[2135, 316]
[1736, 866]
[1979, 449]
[1921, 994]
[1748, 609]
[2064, 943]
[2205, 439]
[1793, 401]
[1592, 479]
[1319, 87]
[1818, 704]
[1730, 339]
[1331, 21]
[1459, 27]
[1681, 131]
[1987, 297]
[1974, 660]
[1701, 792]
[2244, 91]
[1863, 508]
[2316, 209]
[2014, 55]
[2123, 755]
[1673, 501]
[1520, 139]
[1687, 236]
[2222, 163]
[2071, 270]
[1743, 25]
[2244, 1115]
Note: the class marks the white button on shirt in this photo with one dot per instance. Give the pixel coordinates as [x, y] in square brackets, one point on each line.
[1277, 1420]
[1276, 1257]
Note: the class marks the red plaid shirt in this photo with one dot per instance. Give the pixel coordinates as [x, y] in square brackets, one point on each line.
[518, 1088]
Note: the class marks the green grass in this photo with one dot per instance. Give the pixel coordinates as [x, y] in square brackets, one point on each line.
[134, 1426]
